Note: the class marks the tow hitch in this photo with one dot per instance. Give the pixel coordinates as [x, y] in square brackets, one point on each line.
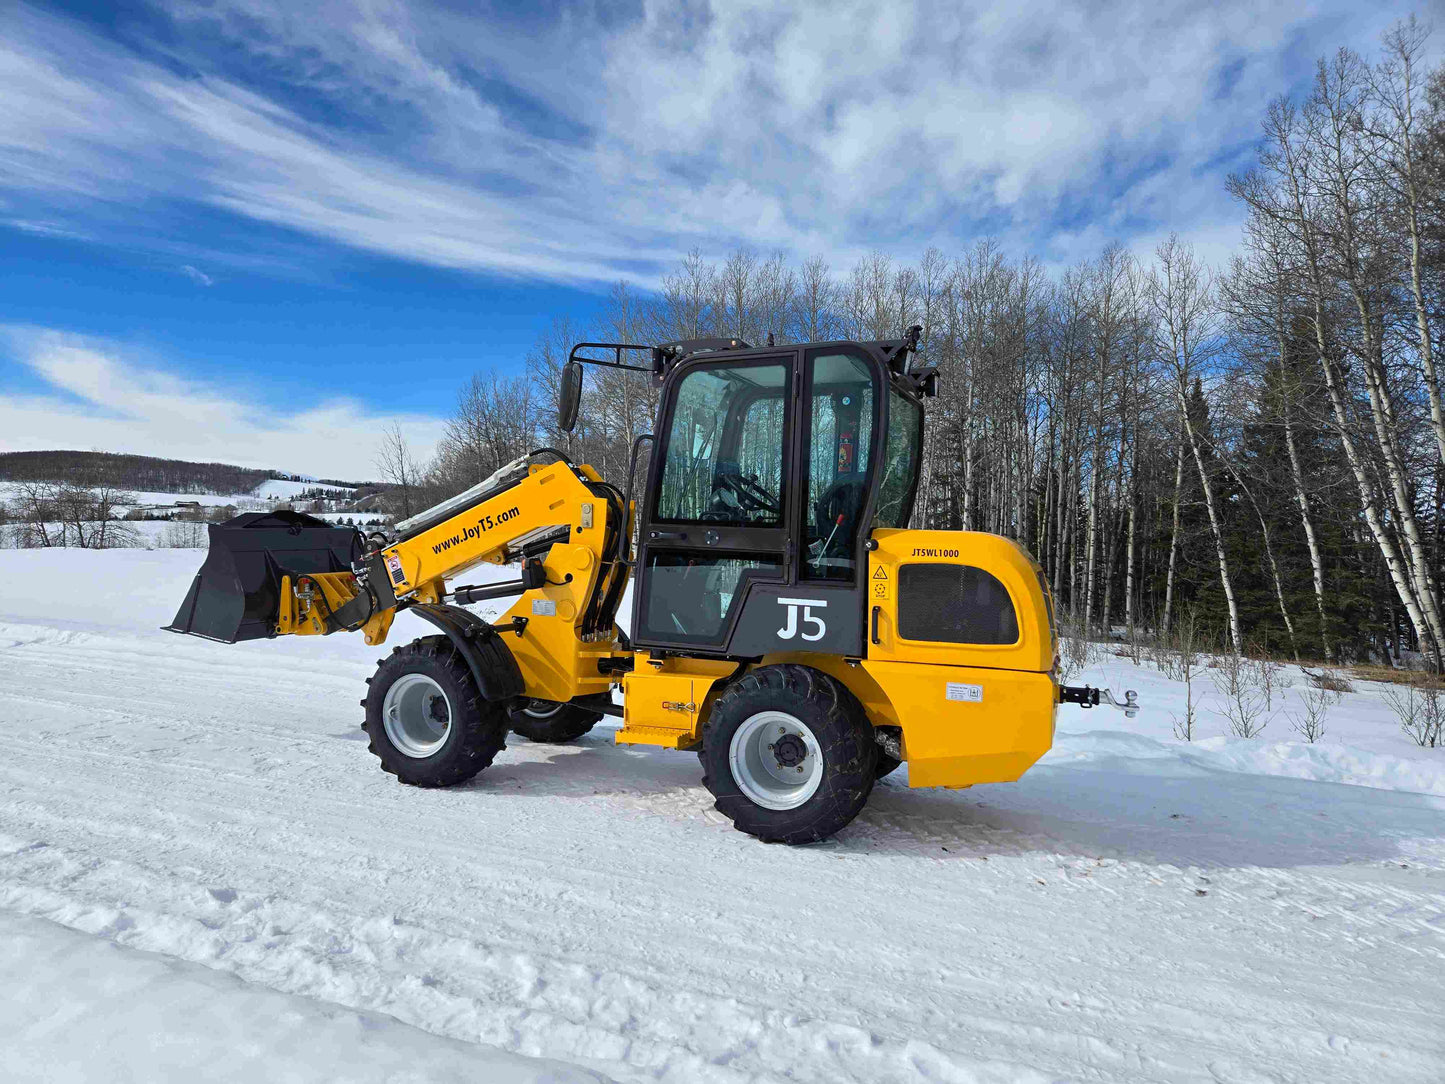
[1086, 696]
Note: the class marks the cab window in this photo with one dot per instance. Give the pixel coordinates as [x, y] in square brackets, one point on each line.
[692, 596]
[955, 604]
[900, 462]
[723, 462]
[840, 444]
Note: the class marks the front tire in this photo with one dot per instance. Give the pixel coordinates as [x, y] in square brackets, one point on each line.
[550, 722]
[788, 754]
[428, 723]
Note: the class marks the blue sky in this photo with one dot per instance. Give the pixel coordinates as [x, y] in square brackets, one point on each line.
[258, 231]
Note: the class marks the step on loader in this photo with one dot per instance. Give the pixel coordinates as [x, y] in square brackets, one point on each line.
[786, 623]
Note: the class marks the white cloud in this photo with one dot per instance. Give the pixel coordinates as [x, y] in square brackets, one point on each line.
[97, 397]
[196, 275]
[599, 146]
[43, 229]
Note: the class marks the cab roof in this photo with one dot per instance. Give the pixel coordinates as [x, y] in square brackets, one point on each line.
[892, 352]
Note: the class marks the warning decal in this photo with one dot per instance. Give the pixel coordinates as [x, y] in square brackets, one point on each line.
[881, 574]
[393, 567]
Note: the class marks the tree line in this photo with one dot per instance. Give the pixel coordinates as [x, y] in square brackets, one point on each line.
[142, 473]
[1259, 445]
[132, 472]
[41, 515]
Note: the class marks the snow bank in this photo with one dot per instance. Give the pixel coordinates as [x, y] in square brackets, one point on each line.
[81, 1008]
[1323, 763]
[1362, 743]
[1294, 760]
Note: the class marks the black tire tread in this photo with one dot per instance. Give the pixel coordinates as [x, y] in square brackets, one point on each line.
[569, 724]
[482, 724]
[850, 755]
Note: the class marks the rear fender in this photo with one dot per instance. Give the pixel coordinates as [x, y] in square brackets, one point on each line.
[960, 725]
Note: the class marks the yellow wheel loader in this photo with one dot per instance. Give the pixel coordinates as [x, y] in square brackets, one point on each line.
[786, 623]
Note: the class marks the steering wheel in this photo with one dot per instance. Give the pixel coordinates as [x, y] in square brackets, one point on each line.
[844, 499]
[752, 496]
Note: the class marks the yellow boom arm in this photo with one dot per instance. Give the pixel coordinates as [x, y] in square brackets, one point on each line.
[561, 515]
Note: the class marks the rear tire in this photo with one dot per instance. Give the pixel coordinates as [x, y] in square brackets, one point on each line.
[788, 754]
[427, 721]
[886, 764]
[550, 722]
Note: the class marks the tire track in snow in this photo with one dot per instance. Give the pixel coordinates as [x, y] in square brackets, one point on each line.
[526, 1003]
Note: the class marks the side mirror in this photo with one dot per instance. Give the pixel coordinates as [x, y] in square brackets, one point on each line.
[571, 396]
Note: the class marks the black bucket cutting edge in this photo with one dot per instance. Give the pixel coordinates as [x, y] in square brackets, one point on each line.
[236, 595]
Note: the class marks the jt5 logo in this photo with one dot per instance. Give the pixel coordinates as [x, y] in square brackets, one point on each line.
[789, 630]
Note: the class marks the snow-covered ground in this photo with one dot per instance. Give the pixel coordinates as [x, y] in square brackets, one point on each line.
[86, 1009]
[243, 502]
[1134, 909]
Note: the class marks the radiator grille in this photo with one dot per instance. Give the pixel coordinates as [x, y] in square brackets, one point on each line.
[955, 604]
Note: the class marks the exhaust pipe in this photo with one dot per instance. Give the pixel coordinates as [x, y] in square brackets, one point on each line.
[236, 595]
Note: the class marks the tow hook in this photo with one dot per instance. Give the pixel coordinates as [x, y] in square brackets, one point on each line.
[1087, 696]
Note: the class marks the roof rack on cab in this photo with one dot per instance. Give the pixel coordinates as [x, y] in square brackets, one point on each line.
[663, 355]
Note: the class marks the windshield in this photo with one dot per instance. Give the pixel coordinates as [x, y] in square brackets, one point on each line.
[900, 464]
[724, 450]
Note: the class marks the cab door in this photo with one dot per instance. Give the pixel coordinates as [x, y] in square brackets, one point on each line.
[719, 512]
[820, 609]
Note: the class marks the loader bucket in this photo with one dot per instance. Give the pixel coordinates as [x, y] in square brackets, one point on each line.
[237, 593]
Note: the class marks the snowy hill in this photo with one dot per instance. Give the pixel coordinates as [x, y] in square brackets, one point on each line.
[278, 489]
[167, 488]
[151, 510]
[1134, 909]
[141, 473]
[270, 492]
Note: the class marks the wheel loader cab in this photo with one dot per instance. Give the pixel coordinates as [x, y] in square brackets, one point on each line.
[788, 621]
[769, 471]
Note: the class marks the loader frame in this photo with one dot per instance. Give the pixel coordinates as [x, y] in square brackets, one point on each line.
[773, 560]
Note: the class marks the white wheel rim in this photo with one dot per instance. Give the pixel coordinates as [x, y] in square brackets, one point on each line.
[417, 715]
[773, 777]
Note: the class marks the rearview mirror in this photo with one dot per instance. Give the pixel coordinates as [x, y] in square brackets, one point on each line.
[570, 397]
